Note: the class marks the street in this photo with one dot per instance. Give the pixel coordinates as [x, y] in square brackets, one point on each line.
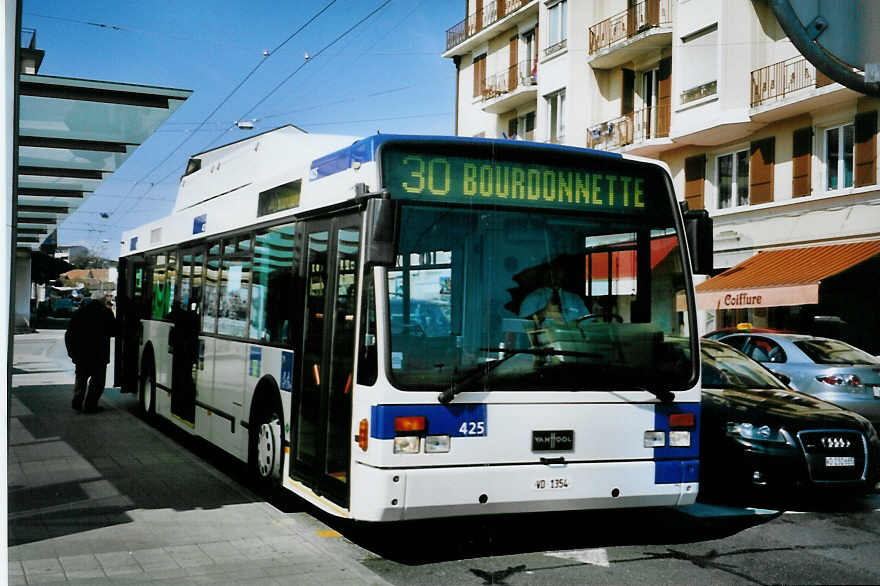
[108, 499]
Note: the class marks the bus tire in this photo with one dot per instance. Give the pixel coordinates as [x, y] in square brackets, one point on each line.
[266, 449]
[147, 388]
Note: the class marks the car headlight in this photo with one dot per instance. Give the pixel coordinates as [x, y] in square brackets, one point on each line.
[763, 433]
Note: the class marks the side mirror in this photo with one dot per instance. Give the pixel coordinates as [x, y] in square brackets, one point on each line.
[783, 378]
[381, 231]
[698, 231]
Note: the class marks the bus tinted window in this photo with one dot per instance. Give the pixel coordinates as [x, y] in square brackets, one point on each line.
[212, 280]
[235, 278]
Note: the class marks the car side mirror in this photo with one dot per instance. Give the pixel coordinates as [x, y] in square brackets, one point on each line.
[784, 378]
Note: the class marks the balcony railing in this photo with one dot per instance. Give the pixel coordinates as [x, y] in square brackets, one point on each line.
[477, 21]
[522, 74]
[777, 81]
[635, 127]
[627, 24]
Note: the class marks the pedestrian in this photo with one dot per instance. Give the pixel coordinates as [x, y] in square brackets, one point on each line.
[88, 344]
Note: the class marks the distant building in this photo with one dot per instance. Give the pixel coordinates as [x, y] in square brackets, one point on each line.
[779, 155]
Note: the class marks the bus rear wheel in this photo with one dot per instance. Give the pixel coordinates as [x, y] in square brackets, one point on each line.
[147, 392]
[266, 452]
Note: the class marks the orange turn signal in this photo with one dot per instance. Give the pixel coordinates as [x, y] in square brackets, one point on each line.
[363, 434]
[409, 424]
[682, 420]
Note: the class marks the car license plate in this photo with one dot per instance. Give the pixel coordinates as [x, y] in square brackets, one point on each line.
[556, 483]
[831, 461]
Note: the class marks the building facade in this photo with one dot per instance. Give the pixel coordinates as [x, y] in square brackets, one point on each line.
[780, 156]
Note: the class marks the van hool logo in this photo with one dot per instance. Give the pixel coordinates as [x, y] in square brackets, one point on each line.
[552, 440]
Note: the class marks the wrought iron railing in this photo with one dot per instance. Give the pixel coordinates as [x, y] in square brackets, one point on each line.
[522, 74]
[629, 23]
[475, 22]
[635, 127]
[777, 81]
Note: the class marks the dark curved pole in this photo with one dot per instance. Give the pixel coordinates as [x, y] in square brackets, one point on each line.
[814, 53]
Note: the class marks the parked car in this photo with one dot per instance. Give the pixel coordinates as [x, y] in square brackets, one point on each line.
[825, 368]
[740, 329]
[755, 432]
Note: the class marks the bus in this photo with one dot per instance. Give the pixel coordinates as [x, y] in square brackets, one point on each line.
[407, 327]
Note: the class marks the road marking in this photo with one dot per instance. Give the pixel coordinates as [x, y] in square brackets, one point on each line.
[328, 533]
[594, 557]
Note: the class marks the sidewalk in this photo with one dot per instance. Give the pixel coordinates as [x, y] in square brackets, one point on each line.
[107, 499]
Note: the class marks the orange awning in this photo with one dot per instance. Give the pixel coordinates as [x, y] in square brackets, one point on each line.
[781, 277]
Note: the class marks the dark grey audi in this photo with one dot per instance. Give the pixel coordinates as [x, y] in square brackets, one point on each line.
[756, 432]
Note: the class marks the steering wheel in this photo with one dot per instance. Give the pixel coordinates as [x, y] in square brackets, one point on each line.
[599, 317]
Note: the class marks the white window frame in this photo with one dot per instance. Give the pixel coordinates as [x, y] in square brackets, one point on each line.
[735, 180]
[558, 12]
[555, 103]
[841, 159]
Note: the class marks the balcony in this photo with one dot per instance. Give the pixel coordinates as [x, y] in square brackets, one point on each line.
[635, 128]
[510, 87]
[792, 87]
[481, 19]
[616, 40]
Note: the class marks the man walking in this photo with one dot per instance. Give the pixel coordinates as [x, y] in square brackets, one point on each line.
[88, 345]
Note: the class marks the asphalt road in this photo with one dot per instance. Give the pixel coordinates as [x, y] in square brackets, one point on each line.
[829, 539]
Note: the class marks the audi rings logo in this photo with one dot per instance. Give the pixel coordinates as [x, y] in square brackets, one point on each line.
[835, 442]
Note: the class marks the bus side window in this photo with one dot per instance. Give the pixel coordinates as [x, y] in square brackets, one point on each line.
[367, 363]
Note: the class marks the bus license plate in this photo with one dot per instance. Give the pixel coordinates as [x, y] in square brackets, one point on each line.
[557, 483]
[831, 461]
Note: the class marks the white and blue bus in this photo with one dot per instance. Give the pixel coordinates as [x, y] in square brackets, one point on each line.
[407, 327]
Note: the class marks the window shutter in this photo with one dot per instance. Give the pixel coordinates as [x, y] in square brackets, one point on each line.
[801, 158]
[479, 75]
[664, 97]
[512, 70]
[866, 149]
[695, 181]
[761, 160]
[626, 101]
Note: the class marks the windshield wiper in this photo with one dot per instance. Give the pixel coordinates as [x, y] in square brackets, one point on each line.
[484, 369]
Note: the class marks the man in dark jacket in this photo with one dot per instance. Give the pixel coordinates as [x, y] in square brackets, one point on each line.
[88, 345]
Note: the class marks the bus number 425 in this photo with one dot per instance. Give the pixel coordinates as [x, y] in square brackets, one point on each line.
[472, 428]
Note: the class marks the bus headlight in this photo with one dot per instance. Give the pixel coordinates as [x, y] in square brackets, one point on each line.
[655, 439]
[407, 444]
[436, 444]
[679, 439]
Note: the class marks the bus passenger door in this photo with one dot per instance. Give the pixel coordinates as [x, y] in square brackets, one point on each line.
[129, 311]
[321, 412]
[186, 321]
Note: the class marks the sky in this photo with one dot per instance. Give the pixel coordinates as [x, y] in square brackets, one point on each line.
[373, 66]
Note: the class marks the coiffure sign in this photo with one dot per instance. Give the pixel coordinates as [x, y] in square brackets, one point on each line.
[762, 297]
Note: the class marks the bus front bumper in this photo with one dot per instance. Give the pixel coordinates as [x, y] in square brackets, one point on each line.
[420, 493]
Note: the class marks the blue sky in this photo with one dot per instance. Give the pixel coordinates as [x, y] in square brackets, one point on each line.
[386, 75]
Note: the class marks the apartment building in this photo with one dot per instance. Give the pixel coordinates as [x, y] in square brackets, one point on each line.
[784, 159]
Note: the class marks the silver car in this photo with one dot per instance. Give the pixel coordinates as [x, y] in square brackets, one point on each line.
[827, 369]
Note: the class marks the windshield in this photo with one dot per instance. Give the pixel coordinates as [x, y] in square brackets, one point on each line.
[532, 300]
[725, 368]
[824, 351]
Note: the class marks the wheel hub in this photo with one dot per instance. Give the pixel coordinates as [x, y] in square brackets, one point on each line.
[269, 449]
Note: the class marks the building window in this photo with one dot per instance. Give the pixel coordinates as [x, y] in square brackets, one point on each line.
[839, 148]
[699, 59]
[733, 179]
[522, 127]
[557, 21]
[556, 116]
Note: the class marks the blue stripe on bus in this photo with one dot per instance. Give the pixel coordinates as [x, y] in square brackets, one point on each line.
[674, 465]
[439, 419]
[364, 150]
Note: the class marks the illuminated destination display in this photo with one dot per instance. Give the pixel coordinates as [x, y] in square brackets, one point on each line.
[468, 180]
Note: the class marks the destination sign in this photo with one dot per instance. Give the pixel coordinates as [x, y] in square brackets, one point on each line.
[456, 179]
